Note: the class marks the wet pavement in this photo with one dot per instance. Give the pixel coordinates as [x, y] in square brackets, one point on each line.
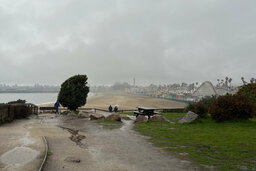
[96, 147]
[19, 156]
[19, 148]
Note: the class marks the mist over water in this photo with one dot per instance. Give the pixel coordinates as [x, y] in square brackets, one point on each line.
[35, 98]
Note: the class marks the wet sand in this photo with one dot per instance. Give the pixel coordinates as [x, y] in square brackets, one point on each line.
[128, 101]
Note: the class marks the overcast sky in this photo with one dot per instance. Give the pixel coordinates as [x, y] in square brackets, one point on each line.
[165, 41]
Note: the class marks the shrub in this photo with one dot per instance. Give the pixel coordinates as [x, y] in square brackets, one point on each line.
[208, 101]
[231, 107]
[73, 92]
[249, 91]
[202, 107]
[20, 111]
[199, 109]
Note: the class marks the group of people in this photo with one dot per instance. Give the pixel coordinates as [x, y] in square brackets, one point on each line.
[110, 108]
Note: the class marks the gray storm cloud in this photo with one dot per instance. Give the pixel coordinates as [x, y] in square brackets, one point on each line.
[167, 41]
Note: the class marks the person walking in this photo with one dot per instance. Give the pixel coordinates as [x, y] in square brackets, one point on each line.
[56, 106]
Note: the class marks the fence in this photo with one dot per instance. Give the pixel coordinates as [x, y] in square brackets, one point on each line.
[171, 110]
[9, 112]
[173, 98]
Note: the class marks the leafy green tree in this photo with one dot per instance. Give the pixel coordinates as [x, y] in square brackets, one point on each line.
[249, 91]
[231, 107]
[73, 92]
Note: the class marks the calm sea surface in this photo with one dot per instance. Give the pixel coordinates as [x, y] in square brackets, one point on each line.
[35, 98]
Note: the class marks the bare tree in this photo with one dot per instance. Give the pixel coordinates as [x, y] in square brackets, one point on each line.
[252, 80]
[244, 82]
[218, 80]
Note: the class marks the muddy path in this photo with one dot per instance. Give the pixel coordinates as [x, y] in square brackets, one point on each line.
[20, 149]
[100, 148]
[80, 144]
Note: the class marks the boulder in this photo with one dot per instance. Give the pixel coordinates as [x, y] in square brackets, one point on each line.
[72, 159]
[72, 113]
[124, 116]
[189, 117]
[141, 118]
[114, 117]
[96, 116]
[158, 118]
[83, 114]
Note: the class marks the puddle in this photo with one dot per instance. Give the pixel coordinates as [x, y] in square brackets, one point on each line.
[19, 155]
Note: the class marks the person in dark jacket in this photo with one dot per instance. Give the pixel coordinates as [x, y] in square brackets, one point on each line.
[116, 109]
[56, 106]
[110, 108]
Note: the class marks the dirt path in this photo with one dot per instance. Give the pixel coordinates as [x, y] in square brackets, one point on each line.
[107, 149]
[20, 149]
[81, 144]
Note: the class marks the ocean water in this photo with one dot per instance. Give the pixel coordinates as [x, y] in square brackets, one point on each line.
[35, 98]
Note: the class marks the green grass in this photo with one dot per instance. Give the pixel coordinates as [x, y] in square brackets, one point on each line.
[224, 145]
[126, 118]
[127, 113]
[49, 153]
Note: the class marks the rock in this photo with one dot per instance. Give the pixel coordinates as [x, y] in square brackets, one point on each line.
[96, 116]
[71, 113]
[141, 118]
[72, 159]
[77, 138]
[183, 154]
[189, 117]
[124, 116]
[158, 118]
[83, 114]
[114, 117]
[240, 167]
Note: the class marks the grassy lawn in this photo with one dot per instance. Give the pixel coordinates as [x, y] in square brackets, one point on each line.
[127, 113]
[227, 146]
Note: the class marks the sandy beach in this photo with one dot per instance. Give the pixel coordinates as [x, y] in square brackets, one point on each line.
[128, 101]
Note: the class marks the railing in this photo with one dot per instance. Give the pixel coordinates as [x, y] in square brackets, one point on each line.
[119, 110]
[9, 112]
[184, 100]
[32, 108]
